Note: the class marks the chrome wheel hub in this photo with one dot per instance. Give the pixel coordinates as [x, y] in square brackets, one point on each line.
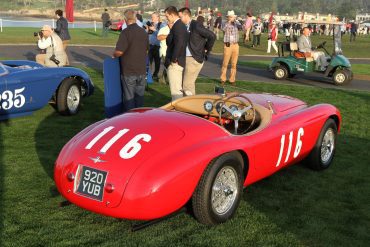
[327, 145]
[224, 190]
[340, 77]
[73, 98]
[280, 73]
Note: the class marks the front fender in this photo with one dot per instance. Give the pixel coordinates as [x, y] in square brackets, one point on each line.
[65, 72]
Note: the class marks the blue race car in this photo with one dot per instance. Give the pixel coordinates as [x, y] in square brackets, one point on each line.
[27, 86]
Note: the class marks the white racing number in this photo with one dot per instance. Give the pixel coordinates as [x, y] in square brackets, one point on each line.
[8, 99]
[297, 149]
[128, 151]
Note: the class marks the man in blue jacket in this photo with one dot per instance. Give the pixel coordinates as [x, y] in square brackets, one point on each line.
[199, 45]
[62, 30]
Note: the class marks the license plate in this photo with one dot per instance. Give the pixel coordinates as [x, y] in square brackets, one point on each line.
[91, 183]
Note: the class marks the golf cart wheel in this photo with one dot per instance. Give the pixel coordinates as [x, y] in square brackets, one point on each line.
[218, 193]
[280, 72]
[69, 97]
[323, 152]
[341, 77]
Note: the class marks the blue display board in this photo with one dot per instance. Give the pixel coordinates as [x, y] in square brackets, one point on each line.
[112, 87]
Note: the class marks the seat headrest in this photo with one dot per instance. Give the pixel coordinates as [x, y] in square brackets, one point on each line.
[293, 46]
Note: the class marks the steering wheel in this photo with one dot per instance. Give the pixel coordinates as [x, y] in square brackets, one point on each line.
[321, 45]
[237, 114]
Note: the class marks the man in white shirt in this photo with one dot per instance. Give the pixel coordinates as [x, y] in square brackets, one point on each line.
[55, 54]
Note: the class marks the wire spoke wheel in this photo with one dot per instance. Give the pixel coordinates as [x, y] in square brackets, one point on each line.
[224, 190]
[73, 98]
[327, 145]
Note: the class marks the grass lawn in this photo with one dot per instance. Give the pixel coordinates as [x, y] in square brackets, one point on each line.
[295, 207]
[14, 35]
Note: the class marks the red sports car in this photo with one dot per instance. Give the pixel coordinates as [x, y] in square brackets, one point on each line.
[202, 149]
[117, 26]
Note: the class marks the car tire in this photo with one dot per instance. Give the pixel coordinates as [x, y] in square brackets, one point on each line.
[280, 72]
[341, 77]
[218, 193]
[323, 152]
[69, 97]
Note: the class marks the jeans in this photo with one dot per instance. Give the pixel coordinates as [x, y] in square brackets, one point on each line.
[153, 54]
[256, 39]
[104, 32]
[352, 37]
[133, 91]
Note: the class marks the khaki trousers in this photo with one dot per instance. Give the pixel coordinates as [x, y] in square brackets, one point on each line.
[174, 73]
[40, 58]
[230, 53]
[191, 73]
[65, 43]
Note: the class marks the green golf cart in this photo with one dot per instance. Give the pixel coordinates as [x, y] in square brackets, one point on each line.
[291, 62]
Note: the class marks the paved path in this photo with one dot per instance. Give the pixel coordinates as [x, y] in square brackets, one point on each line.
[93, 56]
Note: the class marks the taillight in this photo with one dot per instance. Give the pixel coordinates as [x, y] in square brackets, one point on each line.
[70, 177]
[109, 187]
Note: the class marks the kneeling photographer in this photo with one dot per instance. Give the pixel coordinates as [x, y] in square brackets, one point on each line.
[55, 55]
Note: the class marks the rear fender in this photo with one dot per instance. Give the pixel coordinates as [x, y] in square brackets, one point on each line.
[183, 172]
[284, 62]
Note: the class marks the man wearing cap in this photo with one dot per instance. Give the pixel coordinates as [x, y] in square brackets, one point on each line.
[231, 47]
[55, 54]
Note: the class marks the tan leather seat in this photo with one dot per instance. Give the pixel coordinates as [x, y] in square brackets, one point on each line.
[298, 54]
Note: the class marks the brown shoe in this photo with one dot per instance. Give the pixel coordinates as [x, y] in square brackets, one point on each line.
[233, 83]
[222, 83]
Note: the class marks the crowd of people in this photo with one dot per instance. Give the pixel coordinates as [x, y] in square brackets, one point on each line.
[181, 44]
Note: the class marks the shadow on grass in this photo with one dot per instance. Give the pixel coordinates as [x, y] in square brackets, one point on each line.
[63, 128]
[321, 208]
[93, 33]
[2, 182]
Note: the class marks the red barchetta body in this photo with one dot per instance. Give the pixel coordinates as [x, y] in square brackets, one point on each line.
[150, 160]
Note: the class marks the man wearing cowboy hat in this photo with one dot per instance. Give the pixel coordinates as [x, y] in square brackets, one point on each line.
[231, 47]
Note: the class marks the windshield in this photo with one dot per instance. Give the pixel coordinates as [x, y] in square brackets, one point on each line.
[3, 70]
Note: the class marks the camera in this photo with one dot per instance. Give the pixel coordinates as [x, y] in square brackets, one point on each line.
[54, 59]
[35, 34]
[149, 24]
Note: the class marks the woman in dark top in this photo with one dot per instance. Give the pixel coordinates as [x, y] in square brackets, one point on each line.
[62, 29]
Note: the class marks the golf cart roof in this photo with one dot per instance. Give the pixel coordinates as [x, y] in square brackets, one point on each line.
[316, 22]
